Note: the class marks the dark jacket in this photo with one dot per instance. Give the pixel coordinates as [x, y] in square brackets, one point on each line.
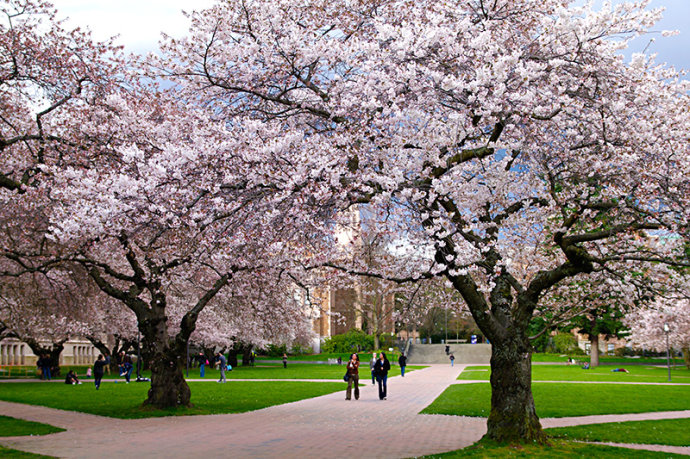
[402, 361]
[353, 369]
[99, 365]
[381, 367]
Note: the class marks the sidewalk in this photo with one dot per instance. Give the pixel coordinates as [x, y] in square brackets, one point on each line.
[327, 426]
[324, 427]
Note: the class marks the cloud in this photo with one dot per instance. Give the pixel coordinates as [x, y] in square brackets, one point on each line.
[137, 23]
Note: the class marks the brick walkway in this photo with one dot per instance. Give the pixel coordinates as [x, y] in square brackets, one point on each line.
[324, 427]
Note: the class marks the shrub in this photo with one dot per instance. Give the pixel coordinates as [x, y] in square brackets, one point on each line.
[273, 350]
[565, 343]
[353, 340]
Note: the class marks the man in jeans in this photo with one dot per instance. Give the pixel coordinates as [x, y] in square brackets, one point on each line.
[402, 361]
[223, 365]
[201, 358]
[371, 367]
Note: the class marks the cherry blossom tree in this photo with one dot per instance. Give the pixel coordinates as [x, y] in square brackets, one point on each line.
[44, 311]
[510, 140]
[647, 325]
[50, 77]
[158, 202]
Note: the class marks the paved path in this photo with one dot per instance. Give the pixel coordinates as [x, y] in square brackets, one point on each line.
[327, 426]
[324, 427]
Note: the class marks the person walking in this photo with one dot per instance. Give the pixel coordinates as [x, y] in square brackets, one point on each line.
[201, 358]
[44, 364]
[284, 360]
[452, 360]
[381, 369]
[353, 377]
[223, 366]
[99, 368]
[372, 362]
[402, 361]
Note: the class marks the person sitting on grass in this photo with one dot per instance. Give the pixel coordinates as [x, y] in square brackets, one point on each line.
[71, 378]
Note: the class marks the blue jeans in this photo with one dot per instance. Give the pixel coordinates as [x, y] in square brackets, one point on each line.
[383, 387]
[128, 367]
[402, 371]
[46, 373]
[202, 369]
[373, 377]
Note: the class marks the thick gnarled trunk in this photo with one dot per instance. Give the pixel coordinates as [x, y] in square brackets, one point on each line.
[168, 386]
[166, 358]
[513, 417]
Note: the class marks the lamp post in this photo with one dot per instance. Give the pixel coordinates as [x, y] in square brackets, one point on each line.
[446, 326]
[668, 351]
[139, 378]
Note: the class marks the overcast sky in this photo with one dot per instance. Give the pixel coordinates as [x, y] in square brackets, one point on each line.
[140, 22]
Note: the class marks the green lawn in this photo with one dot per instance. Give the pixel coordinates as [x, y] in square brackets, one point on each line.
[14, 454]
[567, 399]
[606, 359]
[345, 356]
[13, 427]
[293, 371]
[675, 432]
[556, 448]
[124, 400]
[637, 373]
[14, 372]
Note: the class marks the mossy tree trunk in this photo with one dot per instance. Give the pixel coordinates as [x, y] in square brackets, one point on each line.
[513, 415]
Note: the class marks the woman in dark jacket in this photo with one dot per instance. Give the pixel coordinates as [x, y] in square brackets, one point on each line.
[353, 379]
[98, 369]
[381, 371]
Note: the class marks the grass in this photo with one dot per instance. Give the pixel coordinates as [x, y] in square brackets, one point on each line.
[14, 454]
[637, 373]
[124, 400]
[345, 356]
[560, 400]
[293, 371]
[606, 359]
[30, 371]
[556, 448]
[13, 427]
[675, 432]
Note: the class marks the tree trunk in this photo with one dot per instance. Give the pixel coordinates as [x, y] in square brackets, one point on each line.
[53, 352]
[246, 355]
[168, 386]
[686, 356]
[167, 359]
[513, 417]
[594, 351]
[232, 357]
